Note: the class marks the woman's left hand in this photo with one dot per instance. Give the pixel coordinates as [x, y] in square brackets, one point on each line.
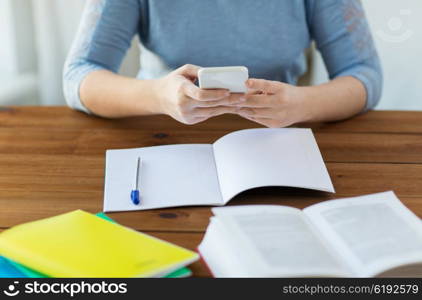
[273, 104]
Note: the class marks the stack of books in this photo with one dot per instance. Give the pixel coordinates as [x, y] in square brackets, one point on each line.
[79, 244]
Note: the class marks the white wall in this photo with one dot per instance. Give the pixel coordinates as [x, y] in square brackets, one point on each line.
[35, 37]
[19, 82]
[16, 37]
[397, 27]
[56, 25]
[6, 51]
[397, 30]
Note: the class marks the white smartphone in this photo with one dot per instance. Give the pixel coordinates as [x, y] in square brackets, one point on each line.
[229, 78]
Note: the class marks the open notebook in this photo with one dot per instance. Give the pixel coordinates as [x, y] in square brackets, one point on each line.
[203, 174]
[368, 236]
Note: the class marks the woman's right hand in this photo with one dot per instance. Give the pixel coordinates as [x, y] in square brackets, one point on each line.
[181, 99]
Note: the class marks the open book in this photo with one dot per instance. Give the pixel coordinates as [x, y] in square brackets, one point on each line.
[368, 236]
[203, 174]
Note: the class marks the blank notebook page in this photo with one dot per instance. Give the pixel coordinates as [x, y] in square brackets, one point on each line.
[269, 157]
[175, 175]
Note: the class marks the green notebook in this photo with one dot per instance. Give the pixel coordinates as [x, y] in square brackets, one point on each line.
[181, 273]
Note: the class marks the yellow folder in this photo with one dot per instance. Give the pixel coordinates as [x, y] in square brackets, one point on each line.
[79, 244]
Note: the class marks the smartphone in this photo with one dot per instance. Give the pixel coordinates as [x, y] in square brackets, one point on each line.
[229, 78]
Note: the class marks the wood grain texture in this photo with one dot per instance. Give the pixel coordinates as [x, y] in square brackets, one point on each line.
[63, 117]
[60, 174]
[52, 162]
[21, 207]
[335, 147]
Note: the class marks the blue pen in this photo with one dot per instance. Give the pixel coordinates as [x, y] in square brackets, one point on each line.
[135, 195]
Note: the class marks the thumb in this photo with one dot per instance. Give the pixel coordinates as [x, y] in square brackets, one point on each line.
[189, 71]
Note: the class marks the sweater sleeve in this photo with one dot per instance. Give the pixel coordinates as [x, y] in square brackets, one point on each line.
[342, 35]
[103, 38]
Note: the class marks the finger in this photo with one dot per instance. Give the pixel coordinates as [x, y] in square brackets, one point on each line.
[193, 120]
[233, 99]
[189, 71]
[255, 112]
[198, 94]
[263, 121]
[254, 92]
[270, 123]
[263, 85]
[214, 111]
[200, 119]
[257, 101]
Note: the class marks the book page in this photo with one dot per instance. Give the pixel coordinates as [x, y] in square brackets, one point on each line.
[176, 175]
[221, 253]
[269, 157]
[373, 233]
[277, 241]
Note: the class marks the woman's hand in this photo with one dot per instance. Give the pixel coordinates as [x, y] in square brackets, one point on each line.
[181, 99]
[273, 104]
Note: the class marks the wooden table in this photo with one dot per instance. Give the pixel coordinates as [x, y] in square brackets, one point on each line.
[52, 162]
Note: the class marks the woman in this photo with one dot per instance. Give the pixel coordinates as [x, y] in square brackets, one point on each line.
[269, 37]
